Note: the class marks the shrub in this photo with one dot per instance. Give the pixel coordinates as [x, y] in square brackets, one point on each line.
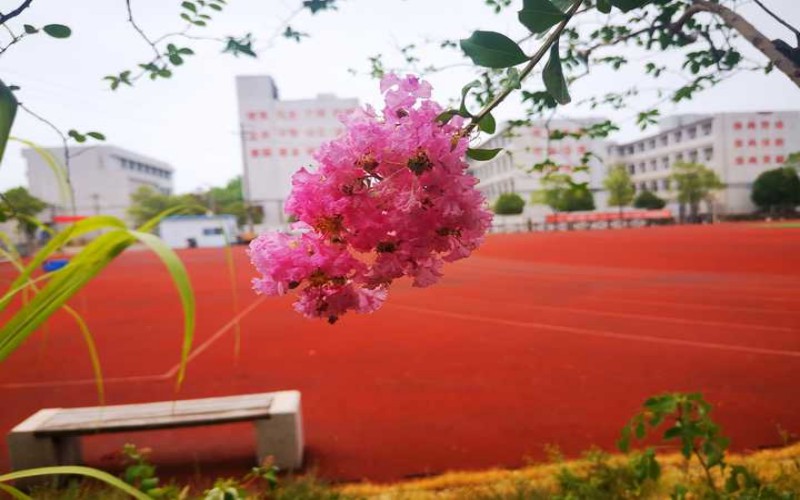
[648, 200]
[509, 204]
[777, 190]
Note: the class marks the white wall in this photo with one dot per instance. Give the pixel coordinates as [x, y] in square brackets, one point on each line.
[176, 231]
[280, 138]
[101, 182]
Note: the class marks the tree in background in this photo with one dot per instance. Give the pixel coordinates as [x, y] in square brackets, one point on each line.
[562, 194]
[17, 203]
[694, 183]
[146, 203]
[229, 199]
[619, 186]
[777, 190]
[509, 204]
[648, 200]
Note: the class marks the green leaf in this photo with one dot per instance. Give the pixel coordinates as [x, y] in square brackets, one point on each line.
[640, 430]
[553, 77]
[445, 116]
[628, 5]
[624, 441]
[96, 135]
[539, 15]
[8, 110]
[189, 6]
[492, 50]
[604, 6]
[483, 154]
[176, 59]
[76, 135]
[462, 110]
[215, 6]
[80, 471]
[57, 30]
[487, 124]
[30, 29]
[13, 492]
[186, 51]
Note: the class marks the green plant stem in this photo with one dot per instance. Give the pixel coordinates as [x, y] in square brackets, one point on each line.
[706, 469]
[534, 60]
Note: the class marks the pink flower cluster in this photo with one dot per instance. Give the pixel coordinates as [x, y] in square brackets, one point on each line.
[391, 198]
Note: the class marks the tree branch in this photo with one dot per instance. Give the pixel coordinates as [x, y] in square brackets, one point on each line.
[780, 20]
[14, 13]
[534, 60]
[754, 36]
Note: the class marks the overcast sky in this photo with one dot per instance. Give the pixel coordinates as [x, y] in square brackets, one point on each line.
[190, 121]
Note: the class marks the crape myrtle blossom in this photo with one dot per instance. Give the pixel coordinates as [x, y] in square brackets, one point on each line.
[390, 198]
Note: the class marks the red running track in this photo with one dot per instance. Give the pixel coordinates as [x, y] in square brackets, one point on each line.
[539, 339]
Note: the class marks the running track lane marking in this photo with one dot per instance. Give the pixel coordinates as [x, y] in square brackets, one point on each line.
[601, 333]
[146, 378]
[646, 317]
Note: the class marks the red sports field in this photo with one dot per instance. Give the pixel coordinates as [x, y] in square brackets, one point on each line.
[539, 339]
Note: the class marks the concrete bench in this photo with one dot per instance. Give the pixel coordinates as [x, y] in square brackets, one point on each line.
[52, 436]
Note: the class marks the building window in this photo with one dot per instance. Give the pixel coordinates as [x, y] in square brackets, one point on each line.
[664, 140]
[765, 142]
[738, 143]
[779, 124]
[692, 133]
[708, 154]
[767, 159]
[665, 184]
[740, 160]
[632, 169]
[678, 136]
[779, 142]
[751, 125]
[707, 127]
[212, 231]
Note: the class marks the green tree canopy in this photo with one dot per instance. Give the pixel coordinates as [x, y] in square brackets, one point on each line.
[229, 199]
[777, 190]
[146, 203]
[18, 204]
[648, 200]
[509, 204]
[619, 186]
[562, 194]
[694, 183]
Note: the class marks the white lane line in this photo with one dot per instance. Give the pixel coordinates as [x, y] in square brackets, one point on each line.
[600, 333]
[646, 317]
[144, 378]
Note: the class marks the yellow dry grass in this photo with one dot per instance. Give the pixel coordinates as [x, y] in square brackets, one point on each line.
[768, 464]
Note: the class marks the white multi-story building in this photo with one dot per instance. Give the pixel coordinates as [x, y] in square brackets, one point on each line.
[102, 178]
[280, 137]
[738, 146]
[524, 147]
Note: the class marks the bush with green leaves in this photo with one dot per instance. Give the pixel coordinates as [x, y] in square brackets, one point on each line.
[777, 191]
[648, 200]
[509, 204]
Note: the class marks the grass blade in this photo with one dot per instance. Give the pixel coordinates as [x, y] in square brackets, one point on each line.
[14, 493]
[58, 170]
[80, 471]
[182, 283]
[75, 230]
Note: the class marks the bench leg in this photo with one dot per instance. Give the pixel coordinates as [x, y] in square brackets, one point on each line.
[28, 451]
[281, 436]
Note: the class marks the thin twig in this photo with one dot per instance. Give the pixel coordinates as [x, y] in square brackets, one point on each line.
[65, 145]
[534, 60]
[140, 30]
[779, 19]
[14, 13]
